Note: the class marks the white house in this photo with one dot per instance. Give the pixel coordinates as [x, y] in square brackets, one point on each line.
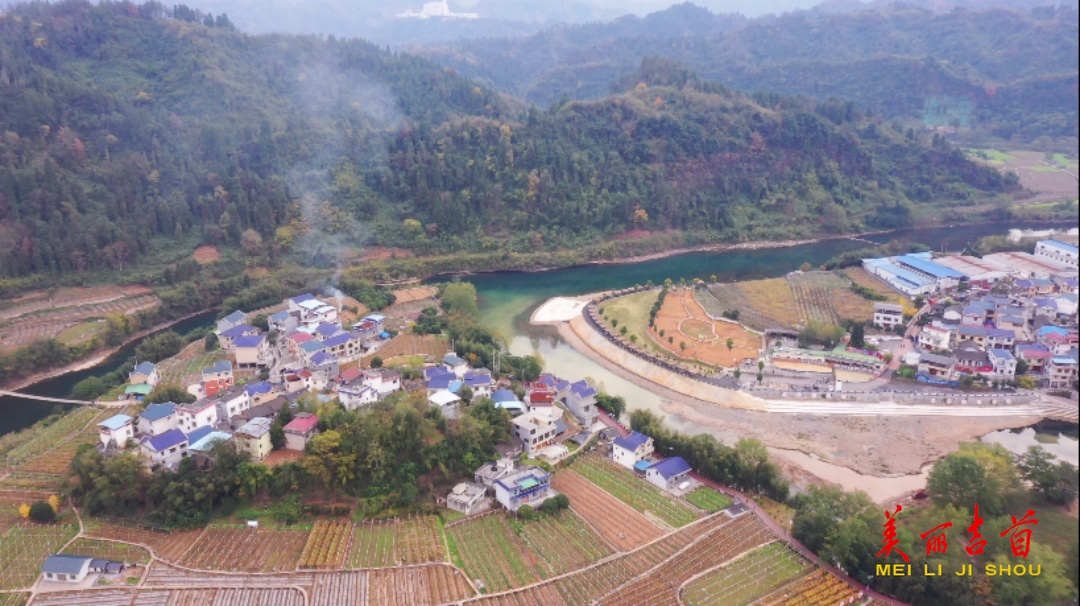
[166, 449]
[534, 430]
[631, 449]
[455, 365]
[196, 414]
[581, 401]
[446, 402]
[66, 568]
[232, 402]
[252, 351]
[467, 498]
[527, 486]
[1004, 363]
[300, 430]
[1057, 251]
[117, 429]
[236, 318]
[144, 373]
[157, 419]
[935, 336]
[357, 396]
[669, 473]
[888, 315]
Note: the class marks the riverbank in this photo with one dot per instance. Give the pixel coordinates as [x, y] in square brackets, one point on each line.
[97, 357]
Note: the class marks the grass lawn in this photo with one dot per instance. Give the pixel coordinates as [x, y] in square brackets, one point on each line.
[708, 499]
[992, 156]
[84, 331]
[632, 311]
[1066, 161]
[747, 579]
[1056, 528]
[417, 360]
[635, 492]
[1043, 169]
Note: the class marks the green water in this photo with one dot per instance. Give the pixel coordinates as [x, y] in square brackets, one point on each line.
[507, 299]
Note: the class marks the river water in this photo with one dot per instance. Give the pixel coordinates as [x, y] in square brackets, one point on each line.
[19, 413]
[508, 298]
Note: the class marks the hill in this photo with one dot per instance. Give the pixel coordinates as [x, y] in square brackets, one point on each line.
[133, 134]
[999, 72]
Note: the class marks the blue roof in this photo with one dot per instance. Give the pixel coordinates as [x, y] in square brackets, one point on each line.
[165, 441]
[455, 386]
[322, 358]
[339, 340]
[440, 382]
[547, 380]
[237, 331]
[1003, 354]
[560, 427]
[155, 412]
[144, 368]
[301, 298]
[436, 372]
[1063, 361]
[929, 267]
[207, 442]
[504, 395]
[561, 385]
[312, 346]
[452, 360]
[1045, 330]
[262, 387]
[219, 366]
[473, 378]
[642, 465]
[976, 331]
[115, 422]
[669, 468]
[279, 316]
[898, 272]
[235, 317]
[248, 341]
[1061, 245]
[198, 433]
[582, 389]
[632, 441]
[327, 329]
[515, 405]
[384, 335]
[65, 564]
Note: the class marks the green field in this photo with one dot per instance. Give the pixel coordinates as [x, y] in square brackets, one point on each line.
[118, 552]
[83, 331]
[1066, 161]
[492, 552]
[992, 156]
[634, 491]
[632, 311]
[563, 543]
[22, 550]
[707, 499]
[747, 579]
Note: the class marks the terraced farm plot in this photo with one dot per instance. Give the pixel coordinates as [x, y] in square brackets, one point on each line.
[186, 367]
[421, 585]
[399, 541]
[720, 298]
[328, 545]
[865, 279]
[39, 319]
[11, 500]
[616, 521]
[167, 545]
[416, 293]
[118, 552]
[14, 599]
[81, 332]
[708, 499]
[432, 346]
[745, 580]
[632, 490]
[826, 297]
[563, 543]
[772, 299]
[42, 440]
[492, 553]
[22, 550]
[58, 461]
[265, 549]
[818, 587]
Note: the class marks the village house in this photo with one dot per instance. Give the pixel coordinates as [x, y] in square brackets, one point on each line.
[527, 486]
[508, 400]
[936, 337]
[888, 315]
[228, 338]
[987, 337]
[455, 365]
[66, 568]
[446, 402]
[232, 320]
[480, 382]
[377, 320]
[166, 449]
[283, 322]
[357, 396]
[232, 402]
[345, 346]
[935, 366]
[156, 419]
[145, 373]
[467, 498]
[314, 312]
[581, 401]
[487, 473]
[1057, 251]
[266, 409]
[389, 381]
[252, 351]
[632, 449]
[1061, 372]
[1057, 342]
[1035, 355]
[1004, 364]
[196, 414]
[669, 473]
[1066, 305]
[116, 430]
[253, 438]
[300, 430]
[534, 431]
[260, 391]
[294, 341]
[217, 378]
[206, 441]
[971, 359]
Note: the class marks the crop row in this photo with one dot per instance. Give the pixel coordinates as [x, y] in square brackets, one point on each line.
[251, 550]
[634, 491]
[747, 579]
[621, 526]
[817, 589]
[23, 550]
[47, 438]
[167, 545]
[493, 554]
[414, 540]
[327, 545]
[109, 550]
[563, 543]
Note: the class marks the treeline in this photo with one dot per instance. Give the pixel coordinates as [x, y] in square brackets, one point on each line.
[846, 528]
[392, 150]
[745, 467]
[380, 455]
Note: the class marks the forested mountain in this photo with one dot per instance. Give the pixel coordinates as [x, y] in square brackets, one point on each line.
[130, 129]
[1004, 73]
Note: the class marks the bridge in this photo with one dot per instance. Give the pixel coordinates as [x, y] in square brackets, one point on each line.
[27, 396]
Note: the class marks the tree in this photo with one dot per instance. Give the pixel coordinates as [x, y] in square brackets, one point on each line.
[211, 341]
[730, 344]
[738, 374]
[858, 335]
[1025, 382]
[459, 298]
[24, 511]
[682, 345]
[169, 393]
[88, 389]
[377, 362]
[760, 365]
[960, 480]
[760, 378]
[261, 322]
[614, 405]
[1057, 483]
[251, 243]
[42, 513]
[1022, 368]
[277, 435]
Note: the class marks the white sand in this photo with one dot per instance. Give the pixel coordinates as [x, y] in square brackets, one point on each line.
[558, 309]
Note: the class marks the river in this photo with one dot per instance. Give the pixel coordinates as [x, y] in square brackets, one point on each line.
[19, 413]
